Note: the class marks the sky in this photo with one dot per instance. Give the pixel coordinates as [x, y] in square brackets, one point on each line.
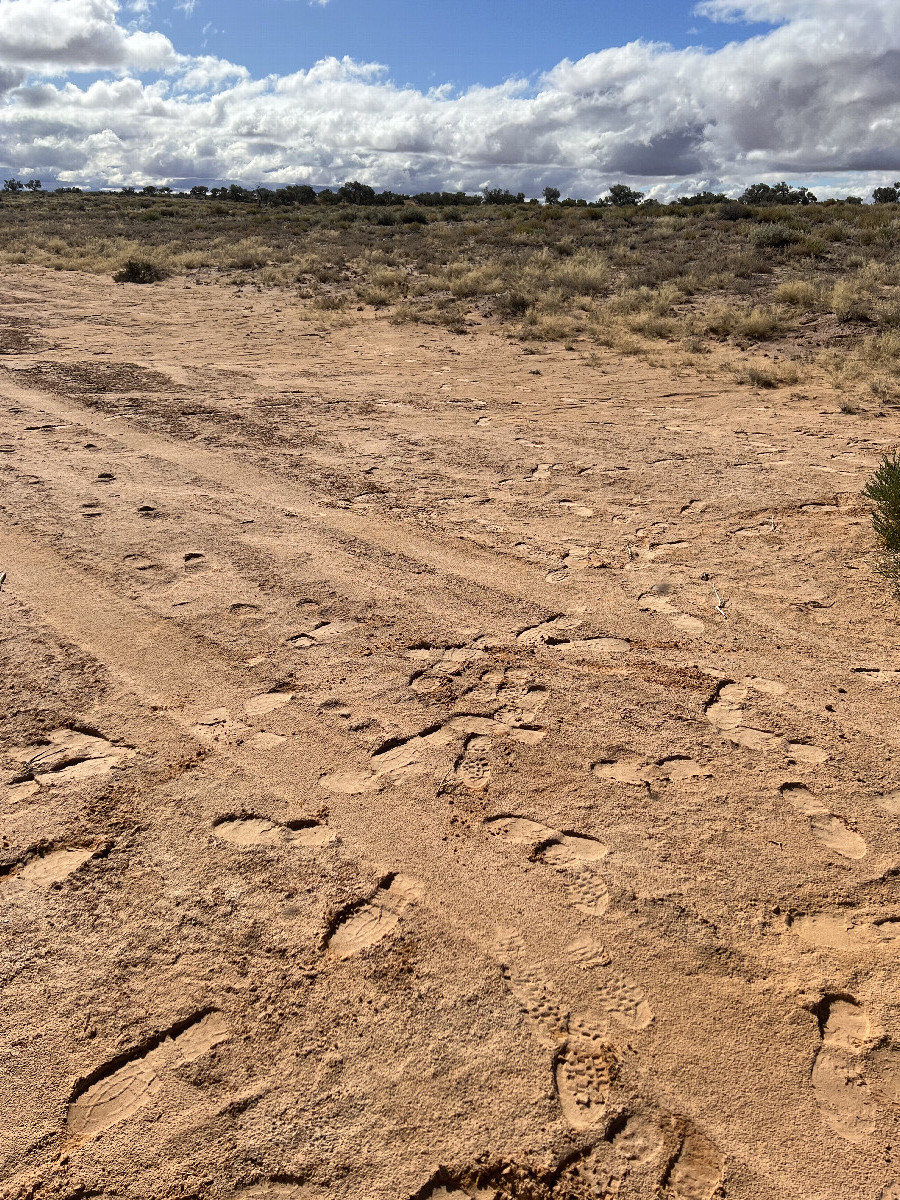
[666, 95]
[426, 43]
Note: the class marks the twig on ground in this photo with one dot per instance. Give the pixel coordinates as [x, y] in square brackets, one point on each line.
[720, 606]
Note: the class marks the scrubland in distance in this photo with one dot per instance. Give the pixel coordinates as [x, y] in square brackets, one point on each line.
[776, 293]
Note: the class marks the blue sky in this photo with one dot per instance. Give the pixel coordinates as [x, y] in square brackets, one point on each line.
[574, 94]
[426, 43]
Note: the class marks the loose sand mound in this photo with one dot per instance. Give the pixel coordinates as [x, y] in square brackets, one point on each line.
[424, 778]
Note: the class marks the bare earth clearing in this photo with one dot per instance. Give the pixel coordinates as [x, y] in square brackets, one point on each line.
[426, 777]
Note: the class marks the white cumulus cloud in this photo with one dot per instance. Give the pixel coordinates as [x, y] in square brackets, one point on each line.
[817, 96]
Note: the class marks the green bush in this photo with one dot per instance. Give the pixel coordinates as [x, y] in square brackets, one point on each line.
[138, 270]
[774, 236]
[883, 489]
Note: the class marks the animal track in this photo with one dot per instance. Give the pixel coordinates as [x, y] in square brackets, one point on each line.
[68, 756]
[361, 926]
[119, 1092]
[843, 1094]
[829, 830]
[259, 831]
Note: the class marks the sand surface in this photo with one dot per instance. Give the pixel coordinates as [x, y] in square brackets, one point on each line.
[435, 770]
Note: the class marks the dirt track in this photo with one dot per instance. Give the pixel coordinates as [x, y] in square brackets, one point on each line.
[433, 769]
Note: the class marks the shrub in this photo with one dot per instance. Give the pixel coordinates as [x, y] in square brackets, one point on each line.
[413, 216]
[798, 292]
[774, 236]
[883, 489]
[138, 270]
[768, 375]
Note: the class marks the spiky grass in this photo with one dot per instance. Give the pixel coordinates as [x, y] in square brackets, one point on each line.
[883, 489]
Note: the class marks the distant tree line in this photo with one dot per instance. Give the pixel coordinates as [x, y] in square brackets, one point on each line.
[362, 194]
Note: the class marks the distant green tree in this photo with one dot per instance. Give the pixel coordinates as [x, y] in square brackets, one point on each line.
[33, 185]
[502, 196]
[887, 195]
[354, 192]
[199, 192]
[148, 189]
[13, 185]
[551, 195]
[777, 193]
[620, 196]
[702, 198]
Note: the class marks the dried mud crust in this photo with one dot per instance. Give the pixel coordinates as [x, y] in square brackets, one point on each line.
[423, 779]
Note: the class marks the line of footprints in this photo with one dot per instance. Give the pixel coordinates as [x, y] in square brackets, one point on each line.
[683, 1161]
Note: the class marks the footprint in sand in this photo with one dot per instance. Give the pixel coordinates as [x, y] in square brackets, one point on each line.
[260, 706]
[260, 831]
[849, 929]
[395, 761]
[319, 635]
[621, 999]
[274, 1191]
[55, 865]
[119, 1092]
[68, 756]
[532, 991]
[473, 769]
[696, 1171]
[360, 926]
[585, 1064]
[576, 857]
[550, 632]
[439, 664]
[139, 562]
[842, 1091]
[584, 1071]
[877, 674]
[725, 712]
[658, 600]
[677, 768]
[553, 633]
[829, 830]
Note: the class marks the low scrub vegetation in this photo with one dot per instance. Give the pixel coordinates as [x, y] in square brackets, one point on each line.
[706, 279]
[883, 489]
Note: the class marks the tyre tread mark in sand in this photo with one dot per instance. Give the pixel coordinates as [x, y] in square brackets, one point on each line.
[125, 1084]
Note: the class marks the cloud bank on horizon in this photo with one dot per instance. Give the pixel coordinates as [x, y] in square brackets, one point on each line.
[817, 98]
